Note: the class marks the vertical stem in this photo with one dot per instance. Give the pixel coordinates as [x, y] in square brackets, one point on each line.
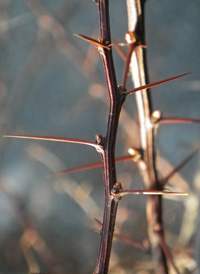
[148, 169]
[108, 153]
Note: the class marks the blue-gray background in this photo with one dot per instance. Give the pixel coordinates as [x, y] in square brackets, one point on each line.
[52, 84]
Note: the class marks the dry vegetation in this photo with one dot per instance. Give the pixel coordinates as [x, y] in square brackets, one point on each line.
[53, 84]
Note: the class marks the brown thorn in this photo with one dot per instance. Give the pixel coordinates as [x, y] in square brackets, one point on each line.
[119, 51]
[91, 166]
[156, 83]
[93, 41]
[127, 63]
[148, 192]
[129, 241]
[54, 139]
[98, 222]
[178, 120]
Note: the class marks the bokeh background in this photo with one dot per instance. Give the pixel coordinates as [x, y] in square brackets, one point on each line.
[52, 84]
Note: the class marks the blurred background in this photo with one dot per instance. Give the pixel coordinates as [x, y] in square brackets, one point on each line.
[52, 84]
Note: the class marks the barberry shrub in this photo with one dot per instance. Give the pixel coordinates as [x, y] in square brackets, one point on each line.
[108, 193]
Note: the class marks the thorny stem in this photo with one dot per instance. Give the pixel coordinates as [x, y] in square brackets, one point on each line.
[148, 169]
[116, 98]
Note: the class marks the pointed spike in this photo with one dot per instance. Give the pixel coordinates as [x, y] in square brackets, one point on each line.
[90, 166]
[129, 241]
[55, 139]
[77, 169]
[127, 64]
[156, 83]
[98, 222]
[178, 120]
[119, 51]
[93, 41]
[180, 166]
[148, 192]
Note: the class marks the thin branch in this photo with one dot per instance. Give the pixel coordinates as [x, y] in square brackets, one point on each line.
[179, 167]
[124, 238]
[168, 255]
[148, 169]
[59, 34]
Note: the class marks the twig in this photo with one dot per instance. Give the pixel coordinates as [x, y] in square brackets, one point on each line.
[168, 255]
[180, 166]
[124, 238]
[108, 155]
[148, 170]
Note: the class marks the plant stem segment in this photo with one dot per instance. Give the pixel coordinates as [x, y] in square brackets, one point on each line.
[148, 169]
[116, 97]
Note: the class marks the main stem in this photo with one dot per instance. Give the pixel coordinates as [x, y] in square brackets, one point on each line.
[108, 153]
[148, 169]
